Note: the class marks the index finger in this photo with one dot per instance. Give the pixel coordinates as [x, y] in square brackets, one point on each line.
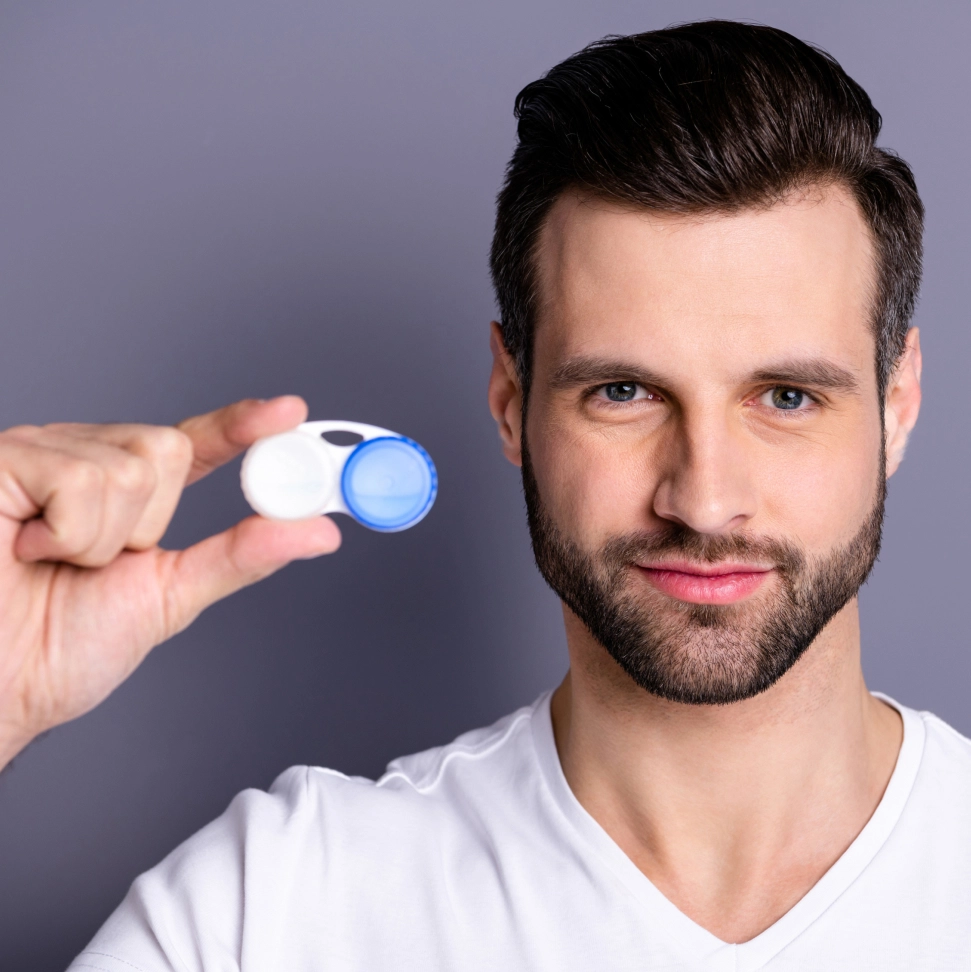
[220, 435]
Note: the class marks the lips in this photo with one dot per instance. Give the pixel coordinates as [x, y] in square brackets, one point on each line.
[705, 583]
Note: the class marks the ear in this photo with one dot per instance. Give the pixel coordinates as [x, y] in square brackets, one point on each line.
[903, 401]
[505, 398]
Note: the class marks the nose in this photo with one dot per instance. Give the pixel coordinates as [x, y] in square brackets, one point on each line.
[707, 483]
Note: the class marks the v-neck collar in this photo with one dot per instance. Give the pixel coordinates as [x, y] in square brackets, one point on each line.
[696, 944]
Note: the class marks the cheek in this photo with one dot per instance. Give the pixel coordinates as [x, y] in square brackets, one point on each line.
[593, 486]
[821, 495]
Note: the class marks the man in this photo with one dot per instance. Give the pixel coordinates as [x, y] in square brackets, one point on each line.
[706, 273]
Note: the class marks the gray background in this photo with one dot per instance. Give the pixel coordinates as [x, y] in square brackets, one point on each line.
[206, 201]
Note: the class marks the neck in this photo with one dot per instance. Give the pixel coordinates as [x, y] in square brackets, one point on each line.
[735, 811]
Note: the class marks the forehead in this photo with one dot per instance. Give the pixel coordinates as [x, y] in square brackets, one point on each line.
[708, 294]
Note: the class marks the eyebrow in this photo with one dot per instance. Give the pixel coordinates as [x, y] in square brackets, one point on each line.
[815, 372]
[590, 371]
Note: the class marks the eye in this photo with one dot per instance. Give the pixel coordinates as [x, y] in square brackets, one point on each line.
[624, 391]
[786, 399]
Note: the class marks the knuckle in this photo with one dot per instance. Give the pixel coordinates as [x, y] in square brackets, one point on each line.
[82, 476]
[172, 445]
[133, 474]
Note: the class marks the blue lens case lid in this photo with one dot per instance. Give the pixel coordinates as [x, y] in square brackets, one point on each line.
[389, 483]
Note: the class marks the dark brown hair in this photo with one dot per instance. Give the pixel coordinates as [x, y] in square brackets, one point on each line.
[706, 117]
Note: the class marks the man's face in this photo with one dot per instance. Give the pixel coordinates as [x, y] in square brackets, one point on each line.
[703, 453]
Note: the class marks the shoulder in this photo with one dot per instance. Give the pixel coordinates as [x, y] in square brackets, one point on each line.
[471, 762]
[481, 750]
[416, 791]
[941, 789]
[342, 830]
[946, 751]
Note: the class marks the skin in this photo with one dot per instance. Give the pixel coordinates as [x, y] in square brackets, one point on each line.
[734, 812]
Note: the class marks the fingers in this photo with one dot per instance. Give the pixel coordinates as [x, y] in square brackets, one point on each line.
[91, 494]
[253, 549]
[104, 488]
[219, 436]
[169, 453]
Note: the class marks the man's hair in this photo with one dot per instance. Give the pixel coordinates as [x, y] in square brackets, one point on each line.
[706, 117]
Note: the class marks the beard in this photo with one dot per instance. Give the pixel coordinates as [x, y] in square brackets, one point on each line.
[700, 654]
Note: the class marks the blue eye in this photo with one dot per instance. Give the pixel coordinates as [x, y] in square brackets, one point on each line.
[621, 391]
[788, 399]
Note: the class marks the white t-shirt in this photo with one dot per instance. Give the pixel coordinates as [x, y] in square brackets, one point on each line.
[477, 856]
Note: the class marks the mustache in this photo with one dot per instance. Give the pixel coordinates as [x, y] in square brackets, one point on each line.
[688, 544]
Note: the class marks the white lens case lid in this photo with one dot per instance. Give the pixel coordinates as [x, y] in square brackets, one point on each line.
[296, 474]
[387, 486]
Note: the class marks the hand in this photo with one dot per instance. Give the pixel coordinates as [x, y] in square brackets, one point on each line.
[85, 590]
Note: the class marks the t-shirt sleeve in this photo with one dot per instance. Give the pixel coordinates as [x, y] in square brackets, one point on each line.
[199, 910]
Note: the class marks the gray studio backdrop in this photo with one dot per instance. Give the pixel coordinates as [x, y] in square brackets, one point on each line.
[206, 201]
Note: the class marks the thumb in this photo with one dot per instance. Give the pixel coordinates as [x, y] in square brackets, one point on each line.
[202, 574]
